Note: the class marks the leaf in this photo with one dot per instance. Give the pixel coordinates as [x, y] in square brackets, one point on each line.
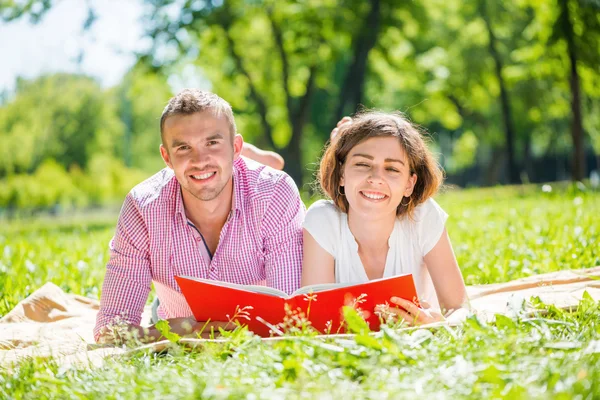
[587, 297]
[491, 375]
[369, 341]
[504, 322]
[356, 324]
[165, 329]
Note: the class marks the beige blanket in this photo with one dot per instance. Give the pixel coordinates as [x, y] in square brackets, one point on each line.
[52, 323]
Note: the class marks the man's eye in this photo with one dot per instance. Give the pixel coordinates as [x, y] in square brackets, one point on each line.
[212, 143]
[183, 148]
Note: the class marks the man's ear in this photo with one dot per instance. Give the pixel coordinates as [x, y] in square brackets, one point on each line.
[165, 156]
[411, 185]
[238, 143]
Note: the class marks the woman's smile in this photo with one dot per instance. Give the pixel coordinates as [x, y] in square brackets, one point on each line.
[373, 196]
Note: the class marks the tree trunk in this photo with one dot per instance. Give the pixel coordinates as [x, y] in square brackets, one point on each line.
[351, 92]
[492, 171]
[292, 155]
[578, 161]
[513, 172]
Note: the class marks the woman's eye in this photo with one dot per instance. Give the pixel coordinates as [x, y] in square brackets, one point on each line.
[392, 170]
[362, 165]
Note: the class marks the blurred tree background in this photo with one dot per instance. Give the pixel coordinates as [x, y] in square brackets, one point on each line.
[509, 91]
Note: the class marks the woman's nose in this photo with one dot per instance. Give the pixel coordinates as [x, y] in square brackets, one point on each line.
[375, 176]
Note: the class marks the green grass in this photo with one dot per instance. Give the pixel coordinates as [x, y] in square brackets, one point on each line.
[498, 234]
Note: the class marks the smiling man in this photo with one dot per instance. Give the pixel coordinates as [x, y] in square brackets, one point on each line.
[211, 214]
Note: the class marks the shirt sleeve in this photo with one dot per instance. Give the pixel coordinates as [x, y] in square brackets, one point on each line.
[322, 222]
[431, 220]
[282, 233]
[127, 281]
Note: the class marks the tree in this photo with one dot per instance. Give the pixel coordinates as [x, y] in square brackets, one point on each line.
[584, 14]
[64, 117]
[276, 60]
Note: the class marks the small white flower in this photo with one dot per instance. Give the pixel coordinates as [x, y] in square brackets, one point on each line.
[31, 267]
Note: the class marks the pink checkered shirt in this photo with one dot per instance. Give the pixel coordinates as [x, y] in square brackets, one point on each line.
[261, 243]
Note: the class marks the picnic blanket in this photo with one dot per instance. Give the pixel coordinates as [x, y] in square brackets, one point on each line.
[52, 323]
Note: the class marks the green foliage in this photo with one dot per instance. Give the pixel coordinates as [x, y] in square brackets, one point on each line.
[539, 359]
[63, 117]
[165, 330]
[69, 143]
[141, 97]
[105, 182]
[354, 321]
[290, 69]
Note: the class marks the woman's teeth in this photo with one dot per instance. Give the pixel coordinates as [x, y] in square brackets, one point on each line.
[203, 176]
[374, 196]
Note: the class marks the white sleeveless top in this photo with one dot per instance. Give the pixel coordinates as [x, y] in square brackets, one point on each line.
[409, 242]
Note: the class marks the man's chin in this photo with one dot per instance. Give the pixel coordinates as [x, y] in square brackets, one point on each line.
[206, 195]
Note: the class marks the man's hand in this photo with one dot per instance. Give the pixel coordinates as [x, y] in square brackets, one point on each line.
[188, 326]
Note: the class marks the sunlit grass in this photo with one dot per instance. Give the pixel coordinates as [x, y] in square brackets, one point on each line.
[498, 234]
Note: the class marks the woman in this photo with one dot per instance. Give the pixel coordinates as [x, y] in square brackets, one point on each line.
[381, 220]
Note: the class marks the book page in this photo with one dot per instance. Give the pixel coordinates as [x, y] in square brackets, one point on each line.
[319, 287]
[250, 288]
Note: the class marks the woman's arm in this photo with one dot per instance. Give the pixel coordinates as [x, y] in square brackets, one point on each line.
[317, 264]
[449, 286]
[446, 276]
[269, 158]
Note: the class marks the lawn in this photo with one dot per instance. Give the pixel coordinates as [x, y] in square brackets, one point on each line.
[498, 234]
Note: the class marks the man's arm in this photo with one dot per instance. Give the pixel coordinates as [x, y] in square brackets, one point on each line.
[127, 285]
[282, 233]
[127, 281]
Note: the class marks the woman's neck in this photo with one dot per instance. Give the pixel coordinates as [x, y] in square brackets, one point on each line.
[371, 233]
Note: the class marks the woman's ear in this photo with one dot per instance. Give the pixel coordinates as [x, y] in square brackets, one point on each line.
[411, 185]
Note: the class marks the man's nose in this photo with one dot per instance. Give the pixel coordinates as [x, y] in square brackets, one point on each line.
[199, 155]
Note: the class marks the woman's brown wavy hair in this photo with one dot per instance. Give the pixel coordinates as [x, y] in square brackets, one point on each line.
[378, 124]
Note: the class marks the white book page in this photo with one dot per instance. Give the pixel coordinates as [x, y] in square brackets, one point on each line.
[319, 287]
[249, 288]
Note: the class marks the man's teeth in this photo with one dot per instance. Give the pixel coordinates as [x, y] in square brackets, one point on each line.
[374, 196]
[203, 176]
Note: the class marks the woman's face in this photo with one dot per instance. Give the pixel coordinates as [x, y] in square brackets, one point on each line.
[376, 176]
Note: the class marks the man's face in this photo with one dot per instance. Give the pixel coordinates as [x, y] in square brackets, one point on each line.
[200, 149]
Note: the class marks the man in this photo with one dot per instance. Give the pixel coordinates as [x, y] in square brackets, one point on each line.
[210, 214]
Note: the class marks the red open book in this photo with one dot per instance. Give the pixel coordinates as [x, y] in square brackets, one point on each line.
[219, 301]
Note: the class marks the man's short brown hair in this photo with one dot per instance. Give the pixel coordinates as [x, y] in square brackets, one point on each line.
[378, 124]
[190, 101]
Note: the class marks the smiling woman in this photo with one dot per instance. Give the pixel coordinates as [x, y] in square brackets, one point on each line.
[381, 220]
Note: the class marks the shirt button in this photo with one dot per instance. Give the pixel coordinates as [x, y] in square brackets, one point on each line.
[198, 239]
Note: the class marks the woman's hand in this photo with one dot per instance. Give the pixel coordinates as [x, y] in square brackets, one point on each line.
[412, 314]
